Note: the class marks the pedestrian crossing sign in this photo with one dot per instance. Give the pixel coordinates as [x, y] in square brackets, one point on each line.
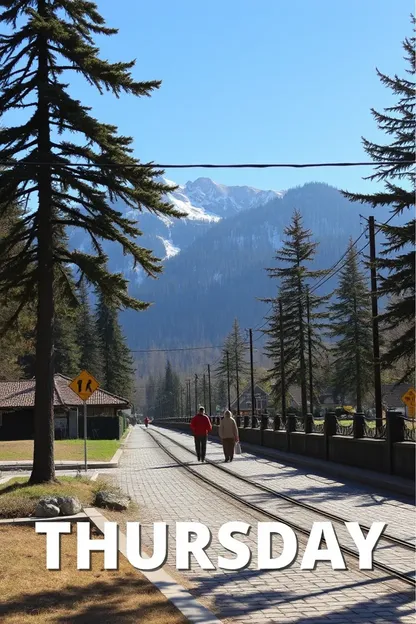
[84, 385]
[409, 399]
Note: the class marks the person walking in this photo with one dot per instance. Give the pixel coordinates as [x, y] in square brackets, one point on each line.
[146, 422]
[201, 426]
[228, 432]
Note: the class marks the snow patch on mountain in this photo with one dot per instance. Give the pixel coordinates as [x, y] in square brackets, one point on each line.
[226, 200]
[170, 249]
[192, 212]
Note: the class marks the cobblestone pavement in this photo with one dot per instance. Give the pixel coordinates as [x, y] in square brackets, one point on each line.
[392, 555]
[352, 501]
[166, 492]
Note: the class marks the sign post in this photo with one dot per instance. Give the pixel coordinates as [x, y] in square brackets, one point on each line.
[84, 386]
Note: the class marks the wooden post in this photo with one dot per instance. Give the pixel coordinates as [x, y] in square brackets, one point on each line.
[282, 362]
[253, 398]
[209, 390]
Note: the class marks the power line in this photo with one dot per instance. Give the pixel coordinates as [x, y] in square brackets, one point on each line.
[6, 163]
[177, 349]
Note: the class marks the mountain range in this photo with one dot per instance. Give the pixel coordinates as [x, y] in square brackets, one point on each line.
[215, 257]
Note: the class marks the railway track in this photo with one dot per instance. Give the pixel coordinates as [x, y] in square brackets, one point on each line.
[401, 547]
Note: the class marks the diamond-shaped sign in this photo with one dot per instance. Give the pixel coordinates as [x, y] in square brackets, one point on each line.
[84, 385]
[409, 398]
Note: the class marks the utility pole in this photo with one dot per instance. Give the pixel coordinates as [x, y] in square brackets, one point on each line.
[228, 379]
[374, 309]
[253, 398]
[188, 387]
[308, 313]
[237, 381]
[282, 362]
[196, 393]
[209, 390]
[204, 389]
[181, 400]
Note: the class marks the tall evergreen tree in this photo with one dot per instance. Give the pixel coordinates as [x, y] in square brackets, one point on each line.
[46, 40]
[350, 317]
[67, 351]
[221, 393]
[16, 339]
[398, 122]
[117, 363]
[170, 391]
[237, 348]
[294, 276]
[87, 336]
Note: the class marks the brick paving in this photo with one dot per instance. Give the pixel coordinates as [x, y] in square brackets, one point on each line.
[166, 492]
[352, 501]
[394, 556]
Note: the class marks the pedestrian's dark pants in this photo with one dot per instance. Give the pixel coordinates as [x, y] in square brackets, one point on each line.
[201, 446]
[228, 446]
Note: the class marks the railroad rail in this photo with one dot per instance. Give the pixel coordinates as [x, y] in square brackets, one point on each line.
[403, 576]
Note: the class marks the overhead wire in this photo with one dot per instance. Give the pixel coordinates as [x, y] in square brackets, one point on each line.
[23, 163]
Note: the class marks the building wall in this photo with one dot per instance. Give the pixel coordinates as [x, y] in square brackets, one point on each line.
[17, 425]
[102, 424]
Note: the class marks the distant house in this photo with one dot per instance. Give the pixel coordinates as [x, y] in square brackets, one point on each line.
[261, 396]
[104, 418]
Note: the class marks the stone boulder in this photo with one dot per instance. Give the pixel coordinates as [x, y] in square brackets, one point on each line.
[47, 508]
[69, 505]
[57, 506]
[109, 500]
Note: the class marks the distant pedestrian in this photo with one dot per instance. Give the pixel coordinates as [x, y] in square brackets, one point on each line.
[201, 426]
[146, 422]
[228, 432]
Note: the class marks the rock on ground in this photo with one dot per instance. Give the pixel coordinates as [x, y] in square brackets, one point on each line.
[46, 509]
[110, 500]
[58, 506]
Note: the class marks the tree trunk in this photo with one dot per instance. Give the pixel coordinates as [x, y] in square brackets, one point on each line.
[43, 457]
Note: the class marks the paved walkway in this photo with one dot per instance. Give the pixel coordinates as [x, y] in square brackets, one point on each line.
[165, 492]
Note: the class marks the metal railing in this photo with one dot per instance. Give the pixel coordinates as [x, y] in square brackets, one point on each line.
[353, 426]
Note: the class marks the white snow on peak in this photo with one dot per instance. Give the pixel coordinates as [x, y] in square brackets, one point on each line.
[193, 212]
[221, 199]
[170, 249]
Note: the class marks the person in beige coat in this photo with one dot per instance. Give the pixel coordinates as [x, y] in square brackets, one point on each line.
[228, 432]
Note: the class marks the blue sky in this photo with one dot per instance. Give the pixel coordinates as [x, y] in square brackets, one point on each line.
[254, 80]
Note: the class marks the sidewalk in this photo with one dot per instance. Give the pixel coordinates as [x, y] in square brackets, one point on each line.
[380, 481]
[165, 492]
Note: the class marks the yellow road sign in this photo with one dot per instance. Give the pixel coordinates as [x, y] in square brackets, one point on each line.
[409, 398]
[84, 385]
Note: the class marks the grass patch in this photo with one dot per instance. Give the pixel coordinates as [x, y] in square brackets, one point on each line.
[32, 594]
[18, 499]
[65, 450]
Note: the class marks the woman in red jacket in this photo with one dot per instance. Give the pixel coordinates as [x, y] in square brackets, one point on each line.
[201, 426]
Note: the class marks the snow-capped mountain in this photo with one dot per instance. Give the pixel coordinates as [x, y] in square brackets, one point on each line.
[204, 203]
[222, 200]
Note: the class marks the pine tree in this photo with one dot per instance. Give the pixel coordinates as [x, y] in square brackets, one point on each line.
[16, 340]
[45, 42]
[298, 250]
[221, 393]
[87, 337]
[67, 352]
[398, 257]
[236, 347]
[117, 363]
[350, 317]
[170, 391]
